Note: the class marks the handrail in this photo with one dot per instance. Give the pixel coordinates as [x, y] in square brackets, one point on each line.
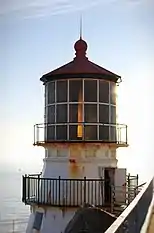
[46, 191]
[82, 122]
[107, 132]
[68, 179]
[34, 175]
[122, 219]
[141, 185]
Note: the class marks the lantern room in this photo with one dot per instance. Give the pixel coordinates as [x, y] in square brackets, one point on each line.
[80, 103]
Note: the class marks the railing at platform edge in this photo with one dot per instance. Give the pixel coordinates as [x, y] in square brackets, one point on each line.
[133, 217]
[117, 133]
[75, 192]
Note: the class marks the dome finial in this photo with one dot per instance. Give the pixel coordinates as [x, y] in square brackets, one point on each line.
[80, 48]
[80, 45]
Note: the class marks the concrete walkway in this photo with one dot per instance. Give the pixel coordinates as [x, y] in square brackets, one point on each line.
[151, 223]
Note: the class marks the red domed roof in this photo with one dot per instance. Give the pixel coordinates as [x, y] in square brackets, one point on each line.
[80, 66]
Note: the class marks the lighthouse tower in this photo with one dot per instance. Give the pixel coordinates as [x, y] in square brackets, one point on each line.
[80, 135]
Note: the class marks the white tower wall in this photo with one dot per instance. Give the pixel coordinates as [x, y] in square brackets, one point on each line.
[59, 161]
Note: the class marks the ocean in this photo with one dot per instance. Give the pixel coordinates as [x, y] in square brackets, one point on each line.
[13, 213]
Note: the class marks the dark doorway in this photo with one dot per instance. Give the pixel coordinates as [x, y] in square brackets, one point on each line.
[107, 186]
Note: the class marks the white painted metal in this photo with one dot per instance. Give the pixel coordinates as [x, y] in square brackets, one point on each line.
[120, 185]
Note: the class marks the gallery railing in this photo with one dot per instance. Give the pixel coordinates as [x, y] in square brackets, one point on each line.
[74, 192]
[73, 132]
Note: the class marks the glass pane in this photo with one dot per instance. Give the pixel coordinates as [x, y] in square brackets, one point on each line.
[75, 90]
[103, 91]
[90, 132]
[61, 132]
[50, 133]
[113, 135]
[62, 91]
[45, 115]
[112, 93]
[73, 113]
[51, 114]
[104, 133]
[76, 113]
[113, 114]
[73, 133]
[90, 90]
[90, 113]
[61, 113]
[51, 92]
[46, 95]
[103, 113]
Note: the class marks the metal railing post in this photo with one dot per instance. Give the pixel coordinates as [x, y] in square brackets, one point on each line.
[59, 195]
[126, 134]
[23, 188]
[37, 133]
[84, 190]
[137, 177]
[129, 190]
[38, 190]
[28, 187]
[136, 188]
[34, 134]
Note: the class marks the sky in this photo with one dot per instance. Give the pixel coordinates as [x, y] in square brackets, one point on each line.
[38, 36]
